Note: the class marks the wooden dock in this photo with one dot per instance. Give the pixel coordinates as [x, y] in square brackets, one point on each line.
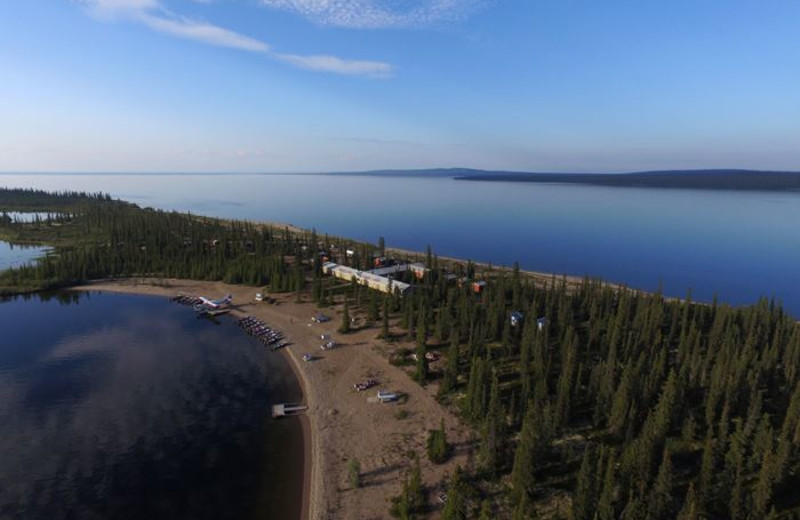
[284, 410]
[215, 312]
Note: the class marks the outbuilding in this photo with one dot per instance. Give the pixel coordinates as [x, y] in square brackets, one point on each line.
[419, 270]
[541, 322]
[516, 318]
[478, 287]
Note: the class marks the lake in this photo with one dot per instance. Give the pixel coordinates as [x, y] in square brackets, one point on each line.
[738, 245]
[130, 407]
[14, 255]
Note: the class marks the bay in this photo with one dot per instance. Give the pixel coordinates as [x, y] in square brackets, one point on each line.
[130, 407]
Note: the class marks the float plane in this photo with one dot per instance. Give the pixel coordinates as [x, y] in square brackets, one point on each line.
[210, 305]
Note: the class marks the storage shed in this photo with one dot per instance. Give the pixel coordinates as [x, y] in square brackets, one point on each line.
[516, 318]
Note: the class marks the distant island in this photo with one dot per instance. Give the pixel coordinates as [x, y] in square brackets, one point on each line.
[718, 179]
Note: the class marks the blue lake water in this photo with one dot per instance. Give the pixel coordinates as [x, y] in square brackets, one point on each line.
[29, 216]
[130, 407]
[12, 255]
[739, 245]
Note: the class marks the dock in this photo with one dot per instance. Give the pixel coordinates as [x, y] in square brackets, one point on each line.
[214, 312]
[285, 410]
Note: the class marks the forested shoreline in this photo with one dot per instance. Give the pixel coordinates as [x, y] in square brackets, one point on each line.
[95, 237]
[596, 402]
[622, 405]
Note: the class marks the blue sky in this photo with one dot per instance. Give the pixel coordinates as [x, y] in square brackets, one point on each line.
[327, 85]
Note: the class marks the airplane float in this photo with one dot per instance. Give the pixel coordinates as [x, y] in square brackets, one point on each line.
[210, 305]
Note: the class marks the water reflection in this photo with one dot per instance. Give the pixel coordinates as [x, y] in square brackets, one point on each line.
[131, 408]
[15, 255]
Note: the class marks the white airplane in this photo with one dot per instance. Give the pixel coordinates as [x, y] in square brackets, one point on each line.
[206, 304]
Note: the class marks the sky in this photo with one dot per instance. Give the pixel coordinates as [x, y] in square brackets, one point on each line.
[344, 85]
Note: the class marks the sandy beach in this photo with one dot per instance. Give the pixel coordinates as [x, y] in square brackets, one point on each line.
[341, 424]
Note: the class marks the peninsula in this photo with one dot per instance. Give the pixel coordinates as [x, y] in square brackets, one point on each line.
[708, 179]
[514, 395]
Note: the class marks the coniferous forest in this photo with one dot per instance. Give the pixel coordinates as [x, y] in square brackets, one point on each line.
[596, 402]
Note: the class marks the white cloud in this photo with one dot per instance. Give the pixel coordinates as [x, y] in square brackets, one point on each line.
[204, 32]
[152, 14]
[373, 69]
[119, 8]
[374, 14]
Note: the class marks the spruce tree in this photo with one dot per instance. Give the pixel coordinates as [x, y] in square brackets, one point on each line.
[660, 502]
[437, 448]
[523, 472]
[344, 328]
[492, 447]
[584, 502]
[486, 511]
[385, 323]
[455, 507]
[450, 377]
[416, 491]
[421, 369]
[691, 506]
[354, 473]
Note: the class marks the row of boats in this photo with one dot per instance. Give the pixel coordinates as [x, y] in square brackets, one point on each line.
[364, 385]
[187, 300]
[263, 332]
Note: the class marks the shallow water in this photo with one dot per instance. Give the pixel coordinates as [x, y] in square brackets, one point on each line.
[739, 245]
[130, 407]
[13, 255]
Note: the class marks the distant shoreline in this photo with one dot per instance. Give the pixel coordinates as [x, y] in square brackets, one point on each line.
[723, 179]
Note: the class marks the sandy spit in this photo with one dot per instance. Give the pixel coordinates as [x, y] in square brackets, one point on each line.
[342, 424]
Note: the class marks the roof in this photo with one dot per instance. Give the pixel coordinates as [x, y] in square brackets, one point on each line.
[346, 271]
[371, 277]
[399, 268]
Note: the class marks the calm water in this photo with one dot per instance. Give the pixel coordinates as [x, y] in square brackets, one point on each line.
[130, 407]
[30, 216]
[12, 255]
[738, 245]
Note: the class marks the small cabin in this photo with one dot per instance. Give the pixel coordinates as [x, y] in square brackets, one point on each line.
[478, 287]
[385, 396]
[516, 318]
[419, 270]
[541, 322]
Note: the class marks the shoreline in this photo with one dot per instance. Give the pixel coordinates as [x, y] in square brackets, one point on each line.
[311, 451]
[340, 423]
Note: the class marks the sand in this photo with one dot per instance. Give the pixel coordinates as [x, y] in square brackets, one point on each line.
[340, 422]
